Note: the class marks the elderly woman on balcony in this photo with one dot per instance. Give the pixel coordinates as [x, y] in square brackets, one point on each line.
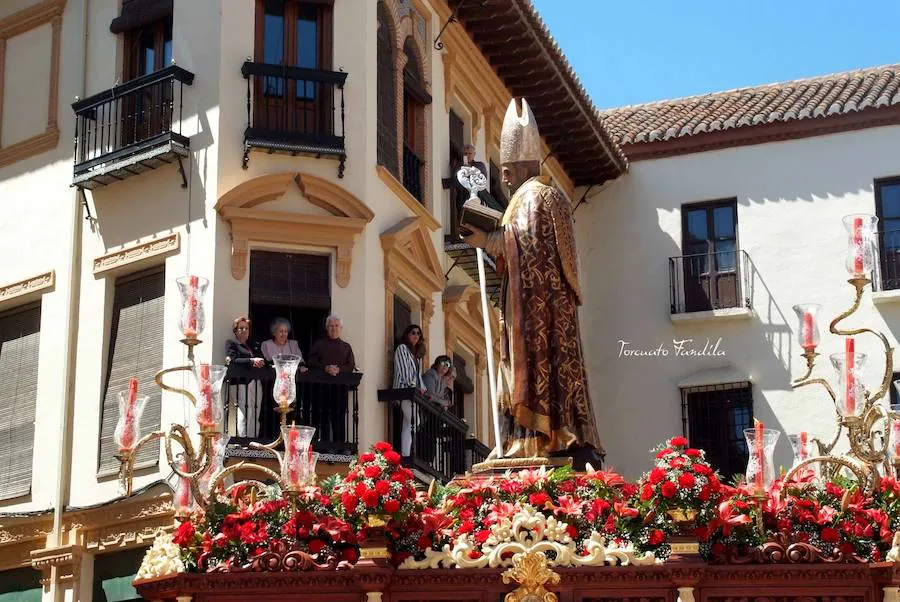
[239, 351]
[280, 344]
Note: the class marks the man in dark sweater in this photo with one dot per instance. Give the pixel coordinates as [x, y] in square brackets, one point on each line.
[333, 356]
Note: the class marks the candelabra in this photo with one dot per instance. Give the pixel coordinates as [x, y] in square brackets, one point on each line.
[858, 410]
[199, 471]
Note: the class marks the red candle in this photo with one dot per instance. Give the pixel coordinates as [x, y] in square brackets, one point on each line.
[292, 457]
[284, 385]
[857, 245]
[183, 495]
[804, 450]
[205, 403]
[192, 303]
[895, 427]
[809, 330]
[130, 406]
[760, 455]
[849, 377]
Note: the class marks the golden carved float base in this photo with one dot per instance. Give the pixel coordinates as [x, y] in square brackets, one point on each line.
[504, 464]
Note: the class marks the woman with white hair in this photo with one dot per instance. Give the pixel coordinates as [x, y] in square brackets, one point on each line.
[280, 344]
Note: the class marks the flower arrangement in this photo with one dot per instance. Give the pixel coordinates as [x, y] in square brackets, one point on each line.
[681, 486]
[377, 490]
[576, 519]
[238, 533]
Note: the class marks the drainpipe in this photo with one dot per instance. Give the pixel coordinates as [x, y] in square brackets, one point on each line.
[63, 460]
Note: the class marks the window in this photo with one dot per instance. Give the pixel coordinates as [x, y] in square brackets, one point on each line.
[135, 351]
[387, 94]
[894, 390]
[714, 418]
[458, 194]
[710, 263]
[402, 318]
[887, 207]
[113, 574]
[148, 48]
[20, 334]
[292, 286]
[462, 386]
[414, 100]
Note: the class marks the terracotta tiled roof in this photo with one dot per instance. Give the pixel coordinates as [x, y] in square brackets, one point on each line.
[802, 99]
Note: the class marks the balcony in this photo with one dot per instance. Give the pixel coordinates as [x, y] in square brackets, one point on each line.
[709, 286]
[886, 279]
[440, 447]
[328, 403]
[412, 173]
[131, 128]
[295, 110]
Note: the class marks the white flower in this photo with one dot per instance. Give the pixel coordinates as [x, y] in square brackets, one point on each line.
[163, 558]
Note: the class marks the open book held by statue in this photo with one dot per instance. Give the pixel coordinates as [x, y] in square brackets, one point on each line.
[542, 391]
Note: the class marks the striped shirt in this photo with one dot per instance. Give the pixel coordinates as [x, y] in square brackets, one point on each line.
[406, 369]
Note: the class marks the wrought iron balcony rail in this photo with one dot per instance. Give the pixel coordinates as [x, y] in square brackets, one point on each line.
[130, 128]
[476, 451]
[412, 173]
[328, 403]
[707, 281]
[438, 437]
[887, 275]
[295, 110]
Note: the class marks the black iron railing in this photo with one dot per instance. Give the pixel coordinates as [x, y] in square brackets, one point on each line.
[476, 451]
[295, 110]
[887, 277]
[412, 173]
[328, 403]
[438, 438]
[708, 281]
[130, 120]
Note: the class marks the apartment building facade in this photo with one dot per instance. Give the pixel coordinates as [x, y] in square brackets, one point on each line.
[300, 155]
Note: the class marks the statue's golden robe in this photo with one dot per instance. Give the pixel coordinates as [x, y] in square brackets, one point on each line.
[542, 384]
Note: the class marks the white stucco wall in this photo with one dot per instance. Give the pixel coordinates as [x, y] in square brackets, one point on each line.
[791, 197]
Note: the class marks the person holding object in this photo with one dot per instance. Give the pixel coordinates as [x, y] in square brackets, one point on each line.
[435, 379]
[408, 375]
[542, 383]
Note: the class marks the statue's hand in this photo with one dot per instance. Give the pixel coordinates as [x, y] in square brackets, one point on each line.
[474, 236]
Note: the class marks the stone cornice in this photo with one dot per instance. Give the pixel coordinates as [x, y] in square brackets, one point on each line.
[23, 291]
[136, 253]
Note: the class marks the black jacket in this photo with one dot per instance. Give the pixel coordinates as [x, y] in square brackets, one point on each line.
[238, 354]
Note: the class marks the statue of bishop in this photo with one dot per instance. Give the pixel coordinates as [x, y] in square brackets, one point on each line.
[542, 384]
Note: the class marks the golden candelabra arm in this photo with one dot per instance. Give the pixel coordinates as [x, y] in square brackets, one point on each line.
[127, 460]
[165, 387]
[810, 355]
[271, 447]
[862, 473]
[179, 434]
[229, 470]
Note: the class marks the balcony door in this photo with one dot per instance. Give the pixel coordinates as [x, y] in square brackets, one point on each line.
[887, 207]
[293, 33]
[710, 263]
[148, 110]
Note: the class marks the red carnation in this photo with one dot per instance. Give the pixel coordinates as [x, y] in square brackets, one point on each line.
[424, 542]
[656, 537]
[677, 462]
[678, 442]
[360, 489]
[705, 493]
[474, 554]
[391, 506]
[539, 499]
[351, 555]
[382, 447]
[367, 457]
[184, 534]
[657, 475]
[372, 472]
[392, 457]
[830, 535]
[647, 493]
[668, 489]
[692, 453]
[466, 527]
[572, 531]
[382, 487]
[482, 536]
[703, 469]
[316, 545]
[686, 480]
[662, 453]
[370, 499]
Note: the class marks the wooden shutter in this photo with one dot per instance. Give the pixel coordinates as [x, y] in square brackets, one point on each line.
[290, 280]
[20, 334]
[135, 350]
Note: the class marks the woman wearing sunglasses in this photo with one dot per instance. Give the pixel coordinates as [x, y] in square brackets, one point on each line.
[407, 375]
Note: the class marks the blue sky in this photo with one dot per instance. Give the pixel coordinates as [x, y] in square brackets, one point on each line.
[634, 51]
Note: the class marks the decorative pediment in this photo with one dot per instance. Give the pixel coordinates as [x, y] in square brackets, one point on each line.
[410, 256]
[251, 223]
